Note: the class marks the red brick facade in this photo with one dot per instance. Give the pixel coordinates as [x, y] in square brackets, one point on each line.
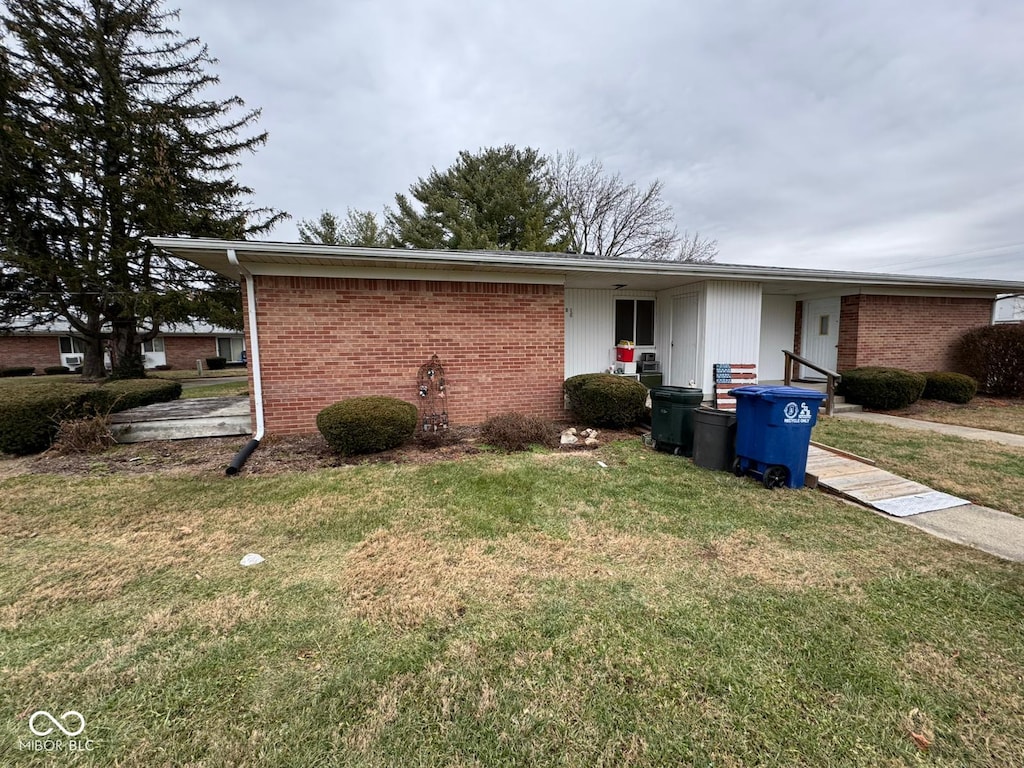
[183, 351]
[326, 339]
[913, 332]
[19, 350]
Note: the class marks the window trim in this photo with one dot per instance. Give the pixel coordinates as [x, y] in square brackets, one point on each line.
[633, 333]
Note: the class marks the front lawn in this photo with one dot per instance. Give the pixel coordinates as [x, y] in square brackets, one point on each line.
[533, 609]
[998, 414]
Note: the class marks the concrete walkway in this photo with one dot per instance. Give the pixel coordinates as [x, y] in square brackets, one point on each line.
[968, 433]
[998, 533]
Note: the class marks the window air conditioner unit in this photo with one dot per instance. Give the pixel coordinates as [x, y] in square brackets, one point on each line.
[73, 361]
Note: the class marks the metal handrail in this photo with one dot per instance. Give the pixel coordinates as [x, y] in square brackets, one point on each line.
[831, 377]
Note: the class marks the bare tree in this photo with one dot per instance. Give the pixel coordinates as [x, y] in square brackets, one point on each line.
[696, 249]
[608, 217]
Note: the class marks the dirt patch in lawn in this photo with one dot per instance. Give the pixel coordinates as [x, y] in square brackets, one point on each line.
[276, 455]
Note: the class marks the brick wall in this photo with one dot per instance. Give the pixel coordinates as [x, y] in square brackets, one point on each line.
[327, 339]
[20, 350]
[183, 351]
[913, 332]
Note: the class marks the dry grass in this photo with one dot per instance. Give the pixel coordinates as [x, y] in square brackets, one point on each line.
[530, 609]
[998, 414]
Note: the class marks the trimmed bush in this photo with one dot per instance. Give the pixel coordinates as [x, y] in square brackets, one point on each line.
[56, 370]
[605, 400]
[367, 424]
[882, 389]
[949, 387]
[517, 432]
[122, 394]
[216, 363]
[19, 370]
[31, 415]
[31, 412]
[994, 356]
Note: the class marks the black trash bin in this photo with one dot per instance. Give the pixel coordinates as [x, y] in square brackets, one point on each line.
[672, 418]
[714, 439]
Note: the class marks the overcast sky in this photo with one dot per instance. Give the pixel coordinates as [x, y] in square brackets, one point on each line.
[871, 135]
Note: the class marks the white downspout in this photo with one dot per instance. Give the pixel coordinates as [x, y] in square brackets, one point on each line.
[254, 342]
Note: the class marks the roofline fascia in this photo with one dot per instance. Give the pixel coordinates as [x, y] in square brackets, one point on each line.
[492, 259]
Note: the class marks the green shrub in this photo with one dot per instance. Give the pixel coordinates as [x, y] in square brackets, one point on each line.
[56, 370]
[18, 370]
[122, 394]
[367, 424]
[994, 356]
[950, 387]
[32, 411]
[216, 363]
[882, 389]
[517, 432]
[605, 400]
[31, 415]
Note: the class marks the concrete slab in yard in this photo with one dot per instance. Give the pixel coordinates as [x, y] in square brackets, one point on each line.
[181, 419]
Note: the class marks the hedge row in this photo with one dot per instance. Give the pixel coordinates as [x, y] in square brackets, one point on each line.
[31, 411]
[887, 389]
[994, 356]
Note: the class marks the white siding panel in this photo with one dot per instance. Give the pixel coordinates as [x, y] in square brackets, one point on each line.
[590, 328]
[732, 325]
[778, 318]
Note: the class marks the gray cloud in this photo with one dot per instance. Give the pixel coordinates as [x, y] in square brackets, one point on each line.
[871, 135]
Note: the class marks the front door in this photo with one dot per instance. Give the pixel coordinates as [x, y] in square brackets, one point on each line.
[685, 313]
[820, 337]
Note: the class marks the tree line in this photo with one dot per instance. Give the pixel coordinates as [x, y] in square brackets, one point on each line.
[507, 198]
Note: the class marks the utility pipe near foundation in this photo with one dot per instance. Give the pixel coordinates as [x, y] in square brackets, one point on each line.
[254, 361]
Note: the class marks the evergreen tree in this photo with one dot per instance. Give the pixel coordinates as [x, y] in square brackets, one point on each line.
[359, 228]
[497, 199]
[108, 139]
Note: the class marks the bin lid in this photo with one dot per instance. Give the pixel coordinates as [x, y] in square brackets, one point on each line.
[779, 393]
[792, 393]
[685, 395]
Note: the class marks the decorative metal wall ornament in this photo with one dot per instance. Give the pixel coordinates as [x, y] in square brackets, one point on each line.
[433, 393]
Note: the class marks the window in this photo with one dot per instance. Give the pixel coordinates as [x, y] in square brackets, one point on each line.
[823, 325]
[634, 321]
[69, 345]
[153, 345]
[230, 348]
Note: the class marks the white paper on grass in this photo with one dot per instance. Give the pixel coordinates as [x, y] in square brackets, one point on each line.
[251, 559]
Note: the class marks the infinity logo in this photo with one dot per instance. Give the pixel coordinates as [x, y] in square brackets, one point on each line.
[59, 724]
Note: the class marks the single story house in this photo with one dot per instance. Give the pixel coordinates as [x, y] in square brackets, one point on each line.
[178, 345]
[324, 323]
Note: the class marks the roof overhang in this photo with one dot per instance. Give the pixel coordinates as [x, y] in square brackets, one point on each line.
[570, 270]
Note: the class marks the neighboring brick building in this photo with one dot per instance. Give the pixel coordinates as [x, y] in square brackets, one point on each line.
[333, 322]
[54, 345]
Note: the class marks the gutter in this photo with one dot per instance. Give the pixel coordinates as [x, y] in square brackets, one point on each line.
[254, 360]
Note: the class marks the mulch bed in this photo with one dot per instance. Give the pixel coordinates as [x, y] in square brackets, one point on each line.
[275, 455]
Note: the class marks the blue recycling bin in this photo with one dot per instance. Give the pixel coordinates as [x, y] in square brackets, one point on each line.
[773, 433]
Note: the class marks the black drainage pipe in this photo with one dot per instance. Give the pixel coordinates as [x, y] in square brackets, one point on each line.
[241, 456]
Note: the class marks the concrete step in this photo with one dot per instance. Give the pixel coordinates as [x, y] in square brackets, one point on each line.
[181, 419]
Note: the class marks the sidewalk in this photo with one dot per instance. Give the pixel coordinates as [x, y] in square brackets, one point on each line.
[968, 433]
[998, 533]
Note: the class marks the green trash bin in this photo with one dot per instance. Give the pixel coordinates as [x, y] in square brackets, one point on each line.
[672, 418]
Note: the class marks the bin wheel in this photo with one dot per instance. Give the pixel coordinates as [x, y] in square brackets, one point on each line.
[775, 477]
[737, 468]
